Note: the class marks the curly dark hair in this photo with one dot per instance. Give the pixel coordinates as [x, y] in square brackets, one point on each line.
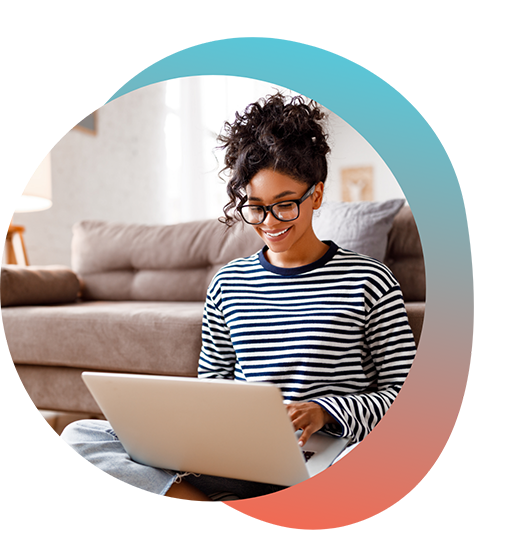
[281, 133]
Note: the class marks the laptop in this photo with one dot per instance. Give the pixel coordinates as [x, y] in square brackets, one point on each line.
[222, 428]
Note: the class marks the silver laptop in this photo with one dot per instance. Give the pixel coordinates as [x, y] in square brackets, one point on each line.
[214, 427]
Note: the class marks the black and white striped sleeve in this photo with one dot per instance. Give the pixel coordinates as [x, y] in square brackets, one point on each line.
[391, 348]
[217, 355]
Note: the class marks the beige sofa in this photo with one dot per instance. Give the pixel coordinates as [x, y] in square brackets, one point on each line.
[141, 293]
[134, 298]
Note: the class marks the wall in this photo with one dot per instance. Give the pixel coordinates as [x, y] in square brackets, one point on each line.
[118, 174]
[208, 102]
[121, 173]
[350, 149]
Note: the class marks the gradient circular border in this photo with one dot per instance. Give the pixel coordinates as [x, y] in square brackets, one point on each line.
[404, 446]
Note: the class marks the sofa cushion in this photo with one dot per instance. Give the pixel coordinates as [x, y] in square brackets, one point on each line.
[359, 226]
[155, 262]
[415, 311]
[53, 284]
[404, 256]
[148, 337]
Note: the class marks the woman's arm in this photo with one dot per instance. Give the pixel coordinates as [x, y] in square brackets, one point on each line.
[217, 356]
[390, 343]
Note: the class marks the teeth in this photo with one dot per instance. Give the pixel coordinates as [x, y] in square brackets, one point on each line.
[277, 234]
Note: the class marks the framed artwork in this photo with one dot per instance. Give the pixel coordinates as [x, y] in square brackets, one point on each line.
[357, 184]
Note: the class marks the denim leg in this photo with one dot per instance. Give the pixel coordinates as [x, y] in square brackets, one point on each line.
[97, 442]
[240, 489]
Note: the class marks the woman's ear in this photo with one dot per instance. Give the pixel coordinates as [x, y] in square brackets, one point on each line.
[317, 196]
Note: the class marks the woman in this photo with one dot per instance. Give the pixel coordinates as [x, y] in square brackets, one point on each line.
[327, 325]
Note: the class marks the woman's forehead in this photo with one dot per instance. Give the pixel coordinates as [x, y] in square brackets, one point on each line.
[270, 185]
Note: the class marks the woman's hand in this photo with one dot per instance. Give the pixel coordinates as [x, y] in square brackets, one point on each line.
[308, 416]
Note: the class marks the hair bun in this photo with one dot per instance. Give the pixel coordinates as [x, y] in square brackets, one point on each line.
[279, 132]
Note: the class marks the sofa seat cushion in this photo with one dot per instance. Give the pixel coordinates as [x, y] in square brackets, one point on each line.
[146, 337]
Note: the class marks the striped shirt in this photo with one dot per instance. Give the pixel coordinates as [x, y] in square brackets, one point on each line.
[334, 332]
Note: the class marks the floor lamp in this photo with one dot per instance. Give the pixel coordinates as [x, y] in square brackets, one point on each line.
[36, 197]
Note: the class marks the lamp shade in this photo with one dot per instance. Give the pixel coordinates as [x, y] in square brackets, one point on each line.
[37, 194]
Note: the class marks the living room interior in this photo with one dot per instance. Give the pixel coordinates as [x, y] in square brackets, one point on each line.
[149, 144]
[148, 159]
[465, 86]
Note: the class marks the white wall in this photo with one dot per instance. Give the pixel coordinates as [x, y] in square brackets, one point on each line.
[214, 99]
[350, 149]
[121, 173]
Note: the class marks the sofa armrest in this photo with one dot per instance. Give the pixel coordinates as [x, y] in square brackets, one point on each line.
[35, 285]
[415, 312]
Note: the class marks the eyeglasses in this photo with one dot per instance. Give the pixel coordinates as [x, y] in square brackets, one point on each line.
[282, 211]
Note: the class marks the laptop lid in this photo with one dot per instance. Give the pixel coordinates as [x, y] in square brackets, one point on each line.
[215, 427]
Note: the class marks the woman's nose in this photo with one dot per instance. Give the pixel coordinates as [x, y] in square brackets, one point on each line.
[270, 219]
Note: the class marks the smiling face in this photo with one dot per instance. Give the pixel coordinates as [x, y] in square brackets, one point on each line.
[293, 243]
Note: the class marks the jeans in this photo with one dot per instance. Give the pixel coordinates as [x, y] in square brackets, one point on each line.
[96, 441]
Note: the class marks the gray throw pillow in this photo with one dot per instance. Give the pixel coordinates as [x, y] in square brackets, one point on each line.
[359, 226]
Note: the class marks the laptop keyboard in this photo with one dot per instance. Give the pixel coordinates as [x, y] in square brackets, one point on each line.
[308, 454]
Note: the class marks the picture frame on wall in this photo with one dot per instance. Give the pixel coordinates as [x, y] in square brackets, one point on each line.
[357, 184]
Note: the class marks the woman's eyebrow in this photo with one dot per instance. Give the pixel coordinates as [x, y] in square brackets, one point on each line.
[286, 193]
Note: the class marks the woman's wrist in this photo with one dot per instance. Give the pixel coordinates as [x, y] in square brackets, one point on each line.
[327, 417]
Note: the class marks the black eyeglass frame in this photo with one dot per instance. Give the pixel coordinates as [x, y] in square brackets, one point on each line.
[269, 208]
